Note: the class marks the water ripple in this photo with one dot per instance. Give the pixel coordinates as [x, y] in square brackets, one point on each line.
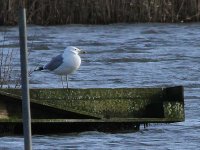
[118, 55]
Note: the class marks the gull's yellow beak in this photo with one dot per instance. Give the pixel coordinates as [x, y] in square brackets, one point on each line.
[82, 52]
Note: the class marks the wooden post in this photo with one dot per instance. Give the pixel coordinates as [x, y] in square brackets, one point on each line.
[24, 80]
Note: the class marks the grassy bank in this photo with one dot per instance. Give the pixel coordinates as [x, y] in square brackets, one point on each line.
[48, 12]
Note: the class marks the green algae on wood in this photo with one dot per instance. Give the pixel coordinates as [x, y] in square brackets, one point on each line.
[99, 102]
[108, 103]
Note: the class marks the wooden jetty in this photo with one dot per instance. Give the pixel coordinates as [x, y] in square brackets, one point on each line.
[56, 111]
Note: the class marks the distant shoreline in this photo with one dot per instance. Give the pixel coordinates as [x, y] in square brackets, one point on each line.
[60, 12]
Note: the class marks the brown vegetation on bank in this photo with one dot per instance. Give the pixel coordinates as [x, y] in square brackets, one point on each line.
[48, 12]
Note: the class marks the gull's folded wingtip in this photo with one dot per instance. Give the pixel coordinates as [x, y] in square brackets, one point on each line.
[39, 68]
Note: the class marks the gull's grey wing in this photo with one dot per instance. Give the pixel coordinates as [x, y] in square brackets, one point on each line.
[54, 63]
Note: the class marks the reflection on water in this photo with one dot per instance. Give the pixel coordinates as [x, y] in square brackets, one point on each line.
[119, 55]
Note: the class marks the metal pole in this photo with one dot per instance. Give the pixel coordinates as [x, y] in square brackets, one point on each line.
[24, 79]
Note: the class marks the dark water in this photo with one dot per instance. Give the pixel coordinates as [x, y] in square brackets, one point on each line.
[120, 55]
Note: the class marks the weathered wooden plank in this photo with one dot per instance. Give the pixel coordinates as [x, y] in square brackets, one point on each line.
[102, 103]
[90, 109]
[108, 103]
[132, 120]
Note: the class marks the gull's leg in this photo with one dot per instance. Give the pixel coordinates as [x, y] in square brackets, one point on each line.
[62, 82]
[67, 81]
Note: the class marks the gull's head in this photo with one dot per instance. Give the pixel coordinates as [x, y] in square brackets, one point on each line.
[73, 49]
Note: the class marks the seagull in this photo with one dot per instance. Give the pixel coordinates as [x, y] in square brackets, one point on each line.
[64, 64]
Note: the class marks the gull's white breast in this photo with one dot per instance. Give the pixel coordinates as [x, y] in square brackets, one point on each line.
[71, 62]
